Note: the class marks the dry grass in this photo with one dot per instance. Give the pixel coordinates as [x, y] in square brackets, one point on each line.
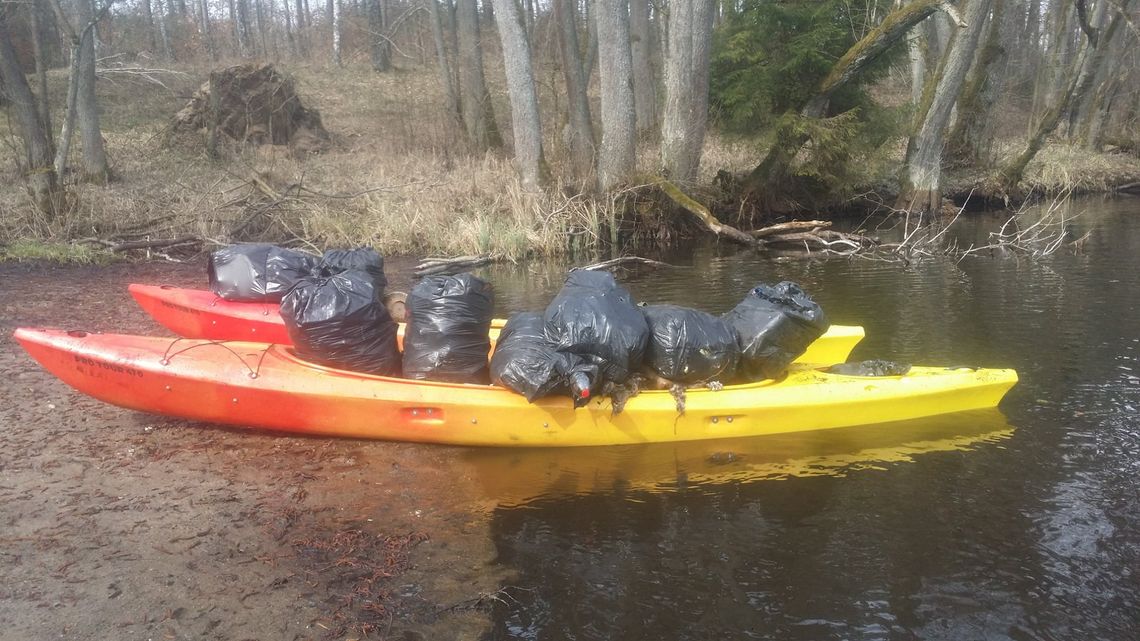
[397, 177]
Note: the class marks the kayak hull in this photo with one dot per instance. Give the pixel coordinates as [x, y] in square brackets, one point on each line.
[196, 313]
[265, 386]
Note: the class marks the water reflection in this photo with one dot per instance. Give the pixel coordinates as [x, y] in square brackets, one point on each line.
[514, 478]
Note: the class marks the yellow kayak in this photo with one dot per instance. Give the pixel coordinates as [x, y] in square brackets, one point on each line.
[266, 386]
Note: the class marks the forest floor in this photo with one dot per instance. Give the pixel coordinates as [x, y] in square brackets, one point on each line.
[395, 177]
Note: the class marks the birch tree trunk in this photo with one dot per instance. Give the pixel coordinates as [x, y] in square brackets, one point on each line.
[335, 11]
[617, 155]
[478, 114]
[641, 44]
[922, 178]
[686, 88]
[579, 133]
[525, 123]
[43, 183]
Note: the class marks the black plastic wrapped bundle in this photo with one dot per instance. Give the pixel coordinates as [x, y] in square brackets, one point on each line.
[526, 363]
[773, 326]
[364, 259]
[596, 318]
[340, 322]
[257, 273]
[689, 346]
[446, 338]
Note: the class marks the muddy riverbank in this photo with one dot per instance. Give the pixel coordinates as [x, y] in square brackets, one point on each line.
[121, 525]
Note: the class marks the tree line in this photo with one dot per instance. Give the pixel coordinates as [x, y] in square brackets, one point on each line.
[657, 73]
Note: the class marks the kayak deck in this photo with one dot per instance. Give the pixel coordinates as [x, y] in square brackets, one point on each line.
[197, 313]
[266, 386]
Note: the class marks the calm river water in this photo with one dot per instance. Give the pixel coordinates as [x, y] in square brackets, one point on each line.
[1021, 525]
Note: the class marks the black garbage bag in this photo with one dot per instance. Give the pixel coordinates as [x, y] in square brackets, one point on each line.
[364, 259]
[339, 321]
[596, 318]
[773, 326]
[257, 273]
[689, 346]
[526, 363]
[446, 338]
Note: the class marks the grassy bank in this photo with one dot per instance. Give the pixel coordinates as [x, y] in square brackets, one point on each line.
[395, 177]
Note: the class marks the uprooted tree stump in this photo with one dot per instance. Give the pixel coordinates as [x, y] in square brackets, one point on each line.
[251, 104]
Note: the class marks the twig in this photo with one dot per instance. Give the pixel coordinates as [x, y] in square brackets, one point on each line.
[606, 264]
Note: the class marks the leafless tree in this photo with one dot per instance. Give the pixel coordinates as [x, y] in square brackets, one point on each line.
[617, 153]
[478, 114]
[525, 123]
[686, 87]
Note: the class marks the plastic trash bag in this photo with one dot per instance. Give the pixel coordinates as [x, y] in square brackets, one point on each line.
[364, 259]
[257, 273]
[773, 326]
[340, 322]
[689, 346]
[526, 363]
[596, 318]
[446, 338]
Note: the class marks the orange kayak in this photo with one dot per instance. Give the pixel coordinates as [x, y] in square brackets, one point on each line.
[266, 386]
[197, 313]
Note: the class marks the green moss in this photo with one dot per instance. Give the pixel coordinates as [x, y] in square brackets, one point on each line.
[29, 250]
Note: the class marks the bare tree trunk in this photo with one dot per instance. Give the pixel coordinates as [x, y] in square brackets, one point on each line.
[617, 155]
[922, 178]
[644, 87]
[302, 29]
[38, 49]
[478, 114]
[335, 11]
[148, 20]
[525, 123]
[445, 75]
[241, 26]
[1081, 75]
[686, 88]
[378, 24]
[163, 30]
[204, 27]
[579, 133]
[788, 142]
[259, 15]
[43, 183]
[95, 168]
[290, 39]
[971, 137]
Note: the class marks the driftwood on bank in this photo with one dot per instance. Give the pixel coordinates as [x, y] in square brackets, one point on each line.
[702, 213]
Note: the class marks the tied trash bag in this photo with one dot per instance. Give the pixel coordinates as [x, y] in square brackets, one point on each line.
[773, 326]
[257, 273]
[364, 259]
[596, 318]
[446, 338]
[524, 362]
[339, 321]
[689, 346]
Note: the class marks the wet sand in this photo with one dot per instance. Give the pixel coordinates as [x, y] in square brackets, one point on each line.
[120, 525]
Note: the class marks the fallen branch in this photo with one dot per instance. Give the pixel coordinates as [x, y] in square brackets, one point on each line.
[431, 266]
[154, 244]
[613, 262]
[823, 238]
[701, 212]
[794, 225]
